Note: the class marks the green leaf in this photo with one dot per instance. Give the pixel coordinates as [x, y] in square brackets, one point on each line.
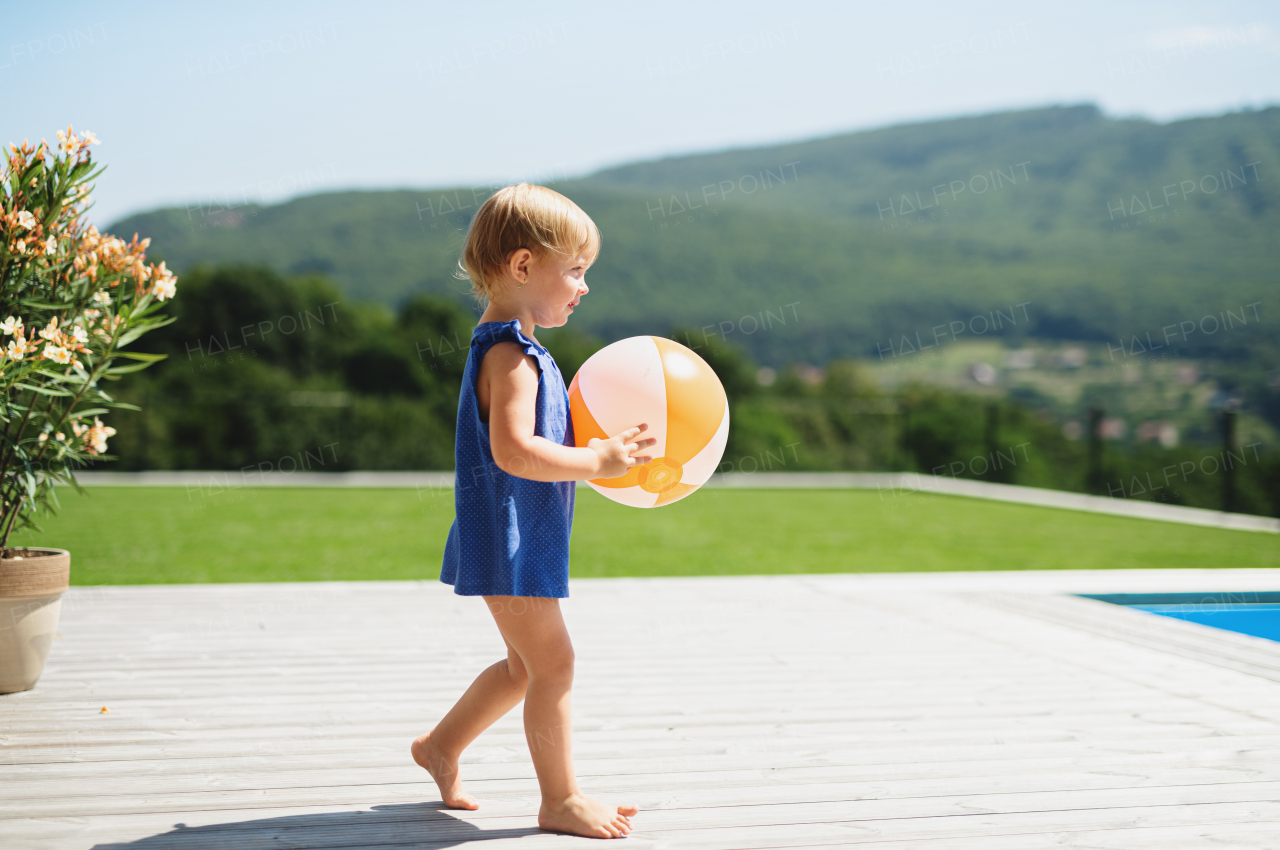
[95, 174]
[43, 390]
[132, 334]
[49, 373]
[77, 174]
[34, 166]
[137, 355]
[124, 370]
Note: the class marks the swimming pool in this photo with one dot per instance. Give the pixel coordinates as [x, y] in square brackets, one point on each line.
[1252, 613]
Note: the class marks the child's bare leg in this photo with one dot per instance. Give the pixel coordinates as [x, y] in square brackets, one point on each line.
[494, 692]
[535, 629]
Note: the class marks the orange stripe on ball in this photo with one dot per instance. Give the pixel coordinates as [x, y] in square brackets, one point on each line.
[585, 428]
[696, 401]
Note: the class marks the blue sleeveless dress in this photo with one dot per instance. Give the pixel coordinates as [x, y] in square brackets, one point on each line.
[510, 535]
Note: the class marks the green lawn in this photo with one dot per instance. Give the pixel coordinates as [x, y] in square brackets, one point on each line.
[157, 535]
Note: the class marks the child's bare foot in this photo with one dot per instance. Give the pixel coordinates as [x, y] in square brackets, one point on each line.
[444, 770]
[581, 815]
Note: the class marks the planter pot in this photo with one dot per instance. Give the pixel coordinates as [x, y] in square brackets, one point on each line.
[31, 587]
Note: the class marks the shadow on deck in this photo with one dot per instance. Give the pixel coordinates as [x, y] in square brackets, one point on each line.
[429, 822]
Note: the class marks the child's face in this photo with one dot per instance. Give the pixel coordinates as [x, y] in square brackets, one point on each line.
[555, 285]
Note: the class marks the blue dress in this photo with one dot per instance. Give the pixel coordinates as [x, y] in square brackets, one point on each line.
[510, 535]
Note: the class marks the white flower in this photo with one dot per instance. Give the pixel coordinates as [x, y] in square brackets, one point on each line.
[11, 326]
[90, 138]
[51, 245]
[57, 354]
[51, 330]
[79, 335]
[69, 143]
[16, 349]
[97, 436]
[43, 437]
[26, 219]
[102, 297]
[165, 283]
[164, 289]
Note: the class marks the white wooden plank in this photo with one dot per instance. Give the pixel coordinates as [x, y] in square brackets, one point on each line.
[243, 790]
[410, 825]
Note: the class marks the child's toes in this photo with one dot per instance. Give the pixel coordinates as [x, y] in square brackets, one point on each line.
[628, 811]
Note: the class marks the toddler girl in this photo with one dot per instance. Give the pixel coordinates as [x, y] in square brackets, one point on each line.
[527, 253]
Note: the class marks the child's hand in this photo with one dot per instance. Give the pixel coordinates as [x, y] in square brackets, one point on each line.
[617, 454]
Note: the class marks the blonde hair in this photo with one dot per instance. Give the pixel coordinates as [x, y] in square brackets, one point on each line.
[523, 216]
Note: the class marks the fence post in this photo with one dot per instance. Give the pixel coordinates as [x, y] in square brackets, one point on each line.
[1228, 466]
[1093, 471]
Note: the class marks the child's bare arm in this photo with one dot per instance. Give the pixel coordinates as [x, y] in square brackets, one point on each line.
[507, 390]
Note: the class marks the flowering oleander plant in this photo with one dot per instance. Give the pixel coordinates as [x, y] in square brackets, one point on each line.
[71, 299]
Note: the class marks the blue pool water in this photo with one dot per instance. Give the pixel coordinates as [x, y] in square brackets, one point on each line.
[1256, 614]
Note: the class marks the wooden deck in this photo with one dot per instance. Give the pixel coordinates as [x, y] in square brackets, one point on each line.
[977, 711]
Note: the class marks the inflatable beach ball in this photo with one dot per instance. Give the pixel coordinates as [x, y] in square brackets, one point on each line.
[656, 381]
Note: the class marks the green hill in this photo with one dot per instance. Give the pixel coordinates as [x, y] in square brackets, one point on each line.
[1054, 223]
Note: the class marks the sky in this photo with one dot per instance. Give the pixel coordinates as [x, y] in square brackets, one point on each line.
[258, 102]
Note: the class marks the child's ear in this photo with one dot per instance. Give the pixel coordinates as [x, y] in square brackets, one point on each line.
[518, 264]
